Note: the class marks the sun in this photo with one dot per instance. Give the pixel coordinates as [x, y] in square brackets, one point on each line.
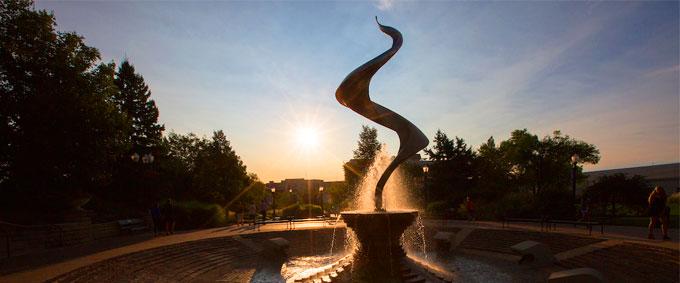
[307, 137]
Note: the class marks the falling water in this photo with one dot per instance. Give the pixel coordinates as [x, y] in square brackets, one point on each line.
[335, 225]
[396, 196]
[421, 234]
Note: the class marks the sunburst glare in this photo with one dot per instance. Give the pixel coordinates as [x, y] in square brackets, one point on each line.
[307, 137]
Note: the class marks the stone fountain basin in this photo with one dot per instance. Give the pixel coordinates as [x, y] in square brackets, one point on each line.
[379, 255]
[379, 219]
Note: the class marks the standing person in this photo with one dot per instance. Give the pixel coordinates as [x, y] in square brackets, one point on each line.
[169, 214]
[239, 215]
[585, 211]
[263, 208]
[252, 213]
[658, 211]
[470, 207]
[155, 212]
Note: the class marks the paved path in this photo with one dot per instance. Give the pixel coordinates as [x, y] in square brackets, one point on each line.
[44, 273]
[628, 233]
[636, 235]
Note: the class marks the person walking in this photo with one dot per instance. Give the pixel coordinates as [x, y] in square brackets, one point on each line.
[169, 215]
[658, 211]
[470, 207]
[252, 213]
[155, 212]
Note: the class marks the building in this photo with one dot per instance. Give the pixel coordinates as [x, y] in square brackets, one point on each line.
[301, 186]
[665, 175]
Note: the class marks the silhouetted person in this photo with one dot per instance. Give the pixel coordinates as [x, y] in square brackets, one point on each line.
[155, 212]
[658, 211]
[585, 211]
[470, 207]
[169, 215]
[252, 213]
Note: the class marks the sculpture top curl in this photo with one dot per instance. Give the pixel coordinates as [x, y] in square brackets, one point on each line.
[353, 94]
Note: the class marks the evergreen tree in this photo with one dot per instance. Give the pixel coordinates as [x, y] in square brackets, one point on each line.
[452, 173]
[367, 148]
[132, 99]
[368, 145]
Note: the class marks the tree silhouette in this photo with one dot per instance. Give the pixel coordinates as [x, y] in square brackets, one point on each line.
[133, 99]
[364, 155]
[59, 132]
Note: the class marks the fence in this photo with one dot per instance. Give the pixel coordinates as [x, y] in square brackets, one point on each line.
[24, 239]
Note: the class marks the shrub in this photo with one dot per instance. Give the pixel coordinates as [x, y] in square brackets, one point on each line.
[518, 204]
[194, 214]
[438, 209]
[301, 210]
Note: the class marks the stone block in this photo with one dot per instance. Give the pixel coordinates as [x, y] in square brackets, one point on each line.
[578, 275]
[534, 254]
[280, 243]
[442, 242]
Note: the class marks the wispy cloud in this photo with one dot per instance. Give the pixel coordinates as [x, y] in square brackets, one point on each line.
[384, 5]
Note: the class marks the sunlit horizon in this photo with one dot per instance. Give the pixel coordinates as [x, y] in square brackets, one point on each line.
[266, 72]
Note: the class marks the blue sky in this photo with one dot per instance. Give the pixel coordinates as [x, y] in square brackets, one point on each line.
[603, 72]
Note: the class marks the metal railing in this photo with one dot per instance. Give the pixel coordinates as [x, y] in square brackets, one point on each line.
[18, 238]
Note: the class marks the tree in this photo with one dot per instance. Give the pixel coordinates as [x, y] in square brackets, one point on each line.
[452, 175]
[219, 173]
[543, 167]
[493, 171]
[619, 189]
[442, 148]
[368, 147]
[536, 164]
[59, 132]
[133, 100]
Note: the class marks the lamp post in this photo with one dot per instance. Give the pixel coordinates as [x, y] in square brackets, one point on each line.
[321, 192]
[426, 169]
[273, 203]
[574, 162]
[147, 158]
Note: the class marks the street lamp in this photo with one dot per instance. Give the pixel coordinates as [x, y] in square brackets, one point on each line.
[273, 203]
[321, 192]
[574, 162]
[146, 158]
[426, 169]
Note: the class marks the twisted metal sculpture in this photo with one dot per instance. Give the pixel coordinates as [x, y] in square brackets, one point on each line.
[353, 94]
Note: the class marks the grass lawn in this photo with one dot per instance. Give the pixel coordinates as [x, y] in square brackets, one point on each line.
[675, 209]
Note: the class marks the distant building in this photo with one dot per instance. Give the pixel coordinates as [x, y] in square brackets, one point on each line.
[665, 175]
[300, 185]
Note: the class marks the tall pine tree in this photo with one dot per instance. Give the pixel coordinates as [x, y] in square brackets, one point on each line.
[133, 99]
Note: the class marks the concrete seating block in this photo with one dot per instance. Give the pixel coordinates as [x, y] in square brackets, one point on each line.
[578, 275]
[442, 242]
[534, 254]
[279, 242]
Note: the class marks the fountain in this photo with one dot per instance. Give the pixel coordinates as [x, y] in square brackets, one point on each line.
[380, 254]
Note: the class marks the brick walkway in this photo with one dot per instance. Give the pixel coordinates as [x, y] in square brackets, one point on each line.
[227, 254]
[630, 262]
[44, 273]
[501, 240]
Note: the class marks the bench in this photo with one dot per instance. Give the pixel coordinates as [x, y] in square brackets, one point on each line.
[132, 225]
[588, 224]
[541, 221]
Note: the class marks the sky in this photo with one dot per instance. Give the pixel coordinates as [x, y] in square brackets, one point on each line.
[265, 72]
